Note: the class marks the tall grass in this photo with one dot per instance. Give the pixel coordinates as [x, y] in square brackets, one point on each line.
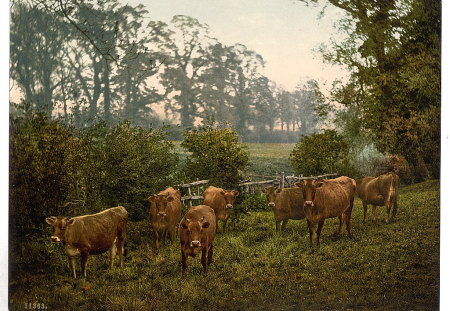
[383, 267]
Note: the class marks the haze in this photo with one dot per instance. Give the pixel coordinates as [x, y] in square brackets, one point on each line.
[284, 32]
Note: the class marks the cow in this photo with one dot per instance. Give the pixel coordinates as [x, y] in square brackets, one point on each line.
[379, 191]
[197, 233]
[221, 201]
[326, 199]
[91, 234]
[286, 204]
[165, 211]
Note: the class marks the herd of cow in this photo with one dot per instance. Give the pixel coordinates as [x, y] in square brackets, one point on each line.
[315, 200]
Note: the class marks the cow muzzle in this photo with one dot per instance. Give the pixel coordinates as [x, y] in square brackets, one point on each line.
[55, 239]
[195, 244]
[229, 206]
[308, 204]
[162, 214]
[271, 204]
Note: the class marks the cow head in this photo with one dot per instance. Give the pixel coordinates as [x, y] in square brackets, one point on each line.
[271, 194]
[193, 230]
[309, 188]
[160, 202]
[59, 225]
[229, 196]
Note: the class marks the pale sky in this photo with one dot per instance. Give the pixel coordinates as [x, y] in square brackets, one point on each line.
[284, 32]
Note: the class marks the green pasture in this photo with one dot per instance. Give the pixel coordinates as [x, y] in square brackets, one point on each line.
[383, 267]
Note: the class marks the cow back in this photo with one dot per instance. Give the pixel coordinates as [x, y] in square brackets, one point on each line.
[334, 197]
[213, 198]
[289, 204]
[376, 190]
[96, 233]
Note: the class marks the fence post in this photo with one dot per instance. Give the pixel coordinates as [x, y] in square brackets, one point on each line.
[190, 195]
[282, 180]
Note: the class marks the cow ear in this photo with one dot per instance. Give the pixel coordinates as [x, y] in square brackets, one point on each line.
[170, 199]
[205, 224]
[235, 193]
[69, 221]
[299, 184]
[151, 198]
[183, 225]
[50, 220]
[278, 190]
[318, 184]
[265, 190]
[222, 192]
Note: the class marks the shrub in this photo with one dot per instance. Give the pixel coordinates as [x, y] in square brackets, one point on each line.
[216, 154]
[321, 153]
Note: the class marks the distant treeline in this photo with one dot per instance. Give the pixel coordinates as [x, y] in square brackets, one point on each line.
[113, 63]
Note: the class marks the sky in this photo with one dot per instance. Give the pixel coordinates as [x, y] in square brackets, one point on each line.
[284, 32]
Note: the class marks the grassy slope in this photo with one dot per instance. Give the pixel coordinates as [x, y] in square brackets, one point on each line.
[269, 159]
[384, 267]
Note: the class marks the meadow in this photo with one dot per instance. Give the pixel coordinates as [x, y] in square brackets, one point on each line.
[383, 267]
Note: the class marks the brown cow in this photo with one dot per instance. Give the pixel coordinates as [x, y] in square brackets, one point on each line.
[91, 234]
[165, 211]
[220, 201]
[379, 191]
[197, 233]
[327, 199]
[286, 204]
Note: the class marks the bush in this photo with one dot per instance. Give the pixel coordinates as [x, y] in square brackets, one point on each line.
[321, 153]
[216, 154]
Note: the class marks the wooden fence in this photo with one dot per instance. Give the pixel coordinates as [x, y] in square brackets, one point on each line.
[194, 190]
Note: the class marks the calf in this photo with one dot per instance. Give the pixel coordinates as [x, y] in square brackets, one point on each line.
[91, 234]
[379, 191]
[221, 201]
[165, 211]
[327, 199]
[197, 233]
[286, 204]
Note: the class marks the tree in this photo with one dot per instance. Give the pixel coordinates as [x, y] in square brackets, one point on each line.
[321, 153]
[216, 154]
[391, 49]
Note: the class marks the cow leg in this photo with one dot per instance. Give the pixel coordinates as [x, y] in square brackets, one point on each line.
[120, 250]
[311, 231]
[72, 263]
[373, 212]
[394, 210]
[183, 263]
[277, 225]
[388, 211]
[112, 254]
[155, 238]
[224, 225]
[84, 258]
[205, 259]
[341, 221]
[173, 233]
[164, 235]
[210, 254]
[319, 230]
[283, 225]
[365, 211]
[348, 222]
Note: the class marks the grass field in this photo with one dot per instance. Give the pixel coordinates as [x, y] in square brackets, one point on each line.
[383, 267]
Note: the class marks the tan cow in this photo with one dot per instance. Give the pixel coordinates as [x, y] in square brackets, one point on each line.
[165, 211]
[91, 234]
[379, 191]
[197, 233]
[221, 201]
[326, 199]
[286, 204]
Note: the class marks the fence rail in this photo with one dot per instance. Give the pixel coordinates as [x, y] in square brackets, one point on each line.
[246, 187]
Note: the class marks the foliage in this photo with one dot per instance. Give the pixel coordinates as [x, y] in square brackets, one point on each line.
[383, 267]
[321, 153]
[216, 154]
[42, 168]
[58, 170]
[392, 49]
